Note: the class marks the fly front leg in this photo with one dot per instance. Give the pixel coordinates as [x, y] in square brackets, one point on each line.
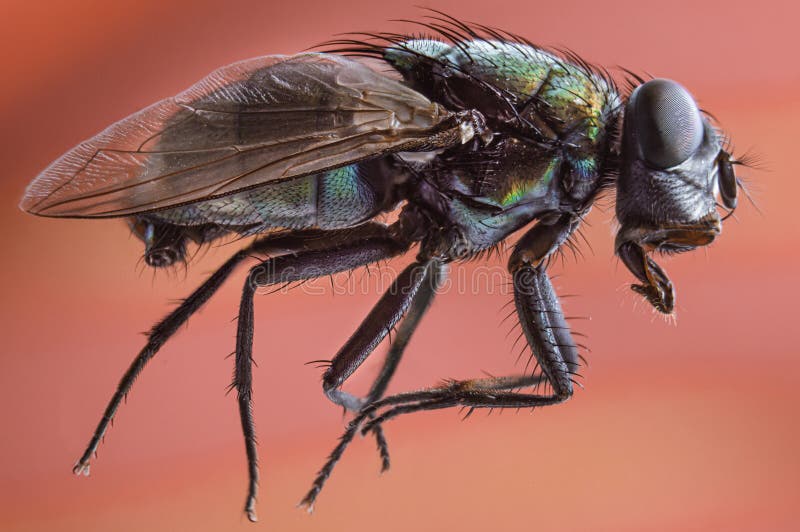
[545, 329]
[445, 396]
[357, 249]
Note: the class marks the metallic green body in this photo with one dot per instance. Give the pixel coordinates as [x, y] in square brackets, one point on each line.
[342, 197]
[549, 121]
[553, 124]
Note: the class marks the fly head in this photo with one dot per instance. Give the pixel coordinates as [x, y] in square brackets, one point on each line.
[673, 168]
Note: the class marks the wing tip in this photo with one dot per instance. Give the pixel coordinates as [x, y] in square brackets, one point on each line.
[38, 195]
[33, 205]
[30, 202]
[40, 199]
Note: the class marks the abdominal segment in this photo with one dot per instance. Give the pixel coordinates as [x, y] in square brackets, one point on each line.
[339, 198]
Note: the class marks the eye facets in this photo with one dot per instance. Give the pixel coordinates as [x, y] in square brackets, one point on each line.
[667, 121]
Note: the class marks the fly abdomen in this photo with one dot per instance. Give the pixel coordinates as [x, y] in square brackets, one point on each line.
[339, 198]
[347, 196]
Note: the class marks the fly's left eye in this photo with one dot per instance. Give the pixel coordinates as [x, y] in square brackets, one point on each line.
[667, 122]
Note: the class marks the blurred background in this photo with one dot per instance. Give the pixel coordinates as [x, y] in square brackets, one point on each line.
[690, 426]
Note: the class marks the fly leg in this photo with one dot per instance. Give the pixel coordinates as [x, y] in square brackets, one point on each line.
[547, 333]
[163, 330]
[349, 253]
[411, 293]
[443, 397]
[379, 322]
[422, 301]
[156, 338]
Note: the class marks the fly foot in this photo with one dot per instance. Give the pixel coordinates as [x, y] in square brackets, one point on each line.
[250, 510]
[81, 468]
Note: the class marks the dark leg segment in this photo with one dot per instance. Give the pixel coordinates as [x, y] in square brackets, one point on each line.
[418, 308]
[444, 396]
[347, 255]
[383, 317]
[403, 334]
[158, 335]
[432, 279]
[243, 382]
[420, 305]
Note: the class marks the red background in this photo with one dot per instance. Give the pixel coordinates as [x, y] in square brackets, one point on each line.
[687, 427]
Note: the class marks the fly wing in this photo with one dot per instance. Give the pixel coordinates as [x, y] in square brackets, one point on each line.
[261, 120]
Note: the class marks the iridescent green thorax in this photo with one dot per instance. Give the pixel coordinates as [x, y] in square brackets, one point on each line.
[523, 189]
[553, 115]
[575, 95]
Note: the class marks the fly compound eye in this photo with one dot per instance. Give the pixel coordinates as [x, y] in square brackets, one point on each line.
[667, 121]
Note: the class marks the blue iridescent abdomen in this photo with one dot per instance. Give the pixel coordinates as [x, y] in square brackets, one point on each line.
[339, 198]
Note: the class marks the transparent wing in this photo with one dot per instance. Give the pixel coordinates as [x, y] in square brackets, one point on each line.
[262, 120]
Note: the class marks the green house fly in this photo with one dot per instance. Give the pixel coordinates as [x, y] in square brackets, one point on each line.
[306, 152]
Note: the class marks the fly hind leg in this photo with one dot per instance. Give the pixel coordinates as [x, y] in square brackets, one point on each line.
[164, 329]
[304, 241]
[356, 249]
